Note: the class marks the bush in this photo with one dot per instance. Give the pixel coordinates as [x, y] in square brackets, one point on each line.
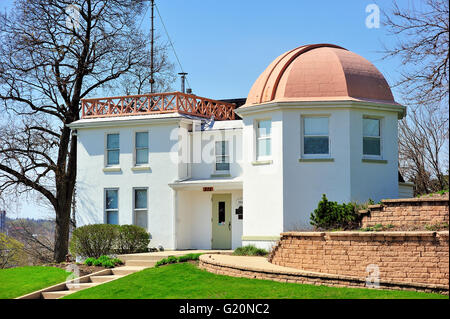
[132, 239]
[188, 257]
[103, 239]
[174, 260]
[250, 250]
[94, 240]
[104, 261]
[89, 261]
[331, 215]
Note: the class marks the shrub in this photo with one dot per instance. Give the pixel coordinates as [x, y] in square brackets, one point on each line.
[132, 239]
[250, 250]
[104, 261]
[94, 240]
[161, 262]
[108, 264]
[174, 260]
[89, 261]
[331, 215]
[117, 261]
[188, 257]
[96, 262]
[103, 239]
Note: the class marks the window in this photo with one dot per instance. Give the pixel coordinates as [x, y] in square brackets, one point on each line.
[263, 139]
[222, 156]
[221, 216]
[112, 149]
[140, 207]
[371, 137]
[315, 136]
[112, 206]
[141, 148]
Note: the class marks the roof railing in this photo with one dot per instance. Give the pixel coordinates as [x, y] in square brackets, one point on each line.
[157, 103]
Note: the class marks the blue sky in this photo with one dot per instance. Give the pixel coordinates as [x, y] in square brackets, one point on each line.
[225, 45]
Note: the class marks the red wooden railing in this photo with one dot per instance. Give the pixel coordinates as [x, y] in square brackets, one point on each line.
[157, 103]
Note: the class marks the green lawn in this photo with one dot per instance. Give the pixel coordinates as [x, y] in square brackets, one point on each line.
[15, 282]
[185, 281]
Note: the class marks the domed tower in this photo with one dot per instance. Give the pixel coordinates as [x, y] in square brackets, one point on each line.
[319, 120]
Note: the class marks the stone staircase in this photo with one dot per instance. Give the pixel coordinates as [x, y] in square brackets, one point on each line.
[133, 263]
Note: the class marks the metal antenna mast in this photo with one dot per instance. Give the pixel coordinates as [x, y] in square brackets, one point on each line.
[152, 49]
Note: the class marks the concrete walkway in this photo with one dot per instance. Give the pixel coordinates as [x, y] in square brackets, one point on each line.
[253, 263]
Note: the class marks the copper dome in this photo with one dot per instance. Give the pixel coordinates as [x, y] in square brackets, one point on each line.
[320, 72]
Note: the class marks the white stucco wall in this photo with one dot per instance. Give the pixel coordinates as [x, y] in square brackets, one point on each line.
[305, 182]
[204, 167]
[194, 228]
[281, 196]
[279, 193]
[374, 180]
[92, 180]
[262, 184]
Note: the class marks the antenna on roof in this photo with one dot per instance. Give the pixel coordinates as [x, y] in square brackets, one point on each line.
[152, 47]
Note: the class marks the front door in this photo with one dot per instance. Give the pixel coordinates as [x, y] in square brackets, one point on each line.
[221, 221]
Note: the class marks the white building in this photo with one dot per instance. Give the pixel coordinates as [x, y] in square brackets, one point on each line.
[319, 120]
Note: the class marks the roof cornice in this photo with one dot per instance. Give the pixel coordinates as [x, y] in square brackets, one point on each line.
[129, 121]
[298, 105]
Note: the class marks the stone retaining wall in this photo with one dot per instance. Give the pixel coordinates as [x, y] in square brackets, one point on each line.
[407, 213]
[405, 257]
[309, 278]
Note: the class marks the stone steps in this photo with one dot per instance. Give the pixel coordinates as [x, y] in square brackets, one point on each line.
[126, 270]
[103, 279]
[133, 263]
[81, 286]
[140, 263]
[56, 294]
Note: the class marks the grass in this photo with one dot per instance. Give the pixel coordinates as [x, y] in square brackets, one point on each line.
[250, 250]
[173, 259]
[15, 282]
[186, 281]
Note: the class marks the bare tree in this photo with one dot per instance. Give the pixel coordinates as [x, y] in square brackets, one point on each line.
[423, 149]
[422, 33]
[11, 252]
[53, 53]
[421, 30]
[138, 82]
[37, 238]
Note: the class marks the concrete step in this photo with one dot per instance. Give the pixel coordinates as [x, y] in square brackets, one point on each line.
[141, 263]
[126, 270]
[56, 294]
[81, 286]
[102, 279]
[144, 256]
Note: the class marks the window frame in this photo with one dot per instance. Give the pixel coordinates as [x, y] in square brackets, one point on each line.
[227, 155]
[303, 135]
[106, 210]
[258, 138]
[135, 148]
[380, 137]
[106, 150]
[135, 210]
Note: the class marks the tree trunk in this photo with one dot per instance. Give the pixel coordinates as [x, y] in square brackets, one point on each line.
[62, 233]
[65, 184]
